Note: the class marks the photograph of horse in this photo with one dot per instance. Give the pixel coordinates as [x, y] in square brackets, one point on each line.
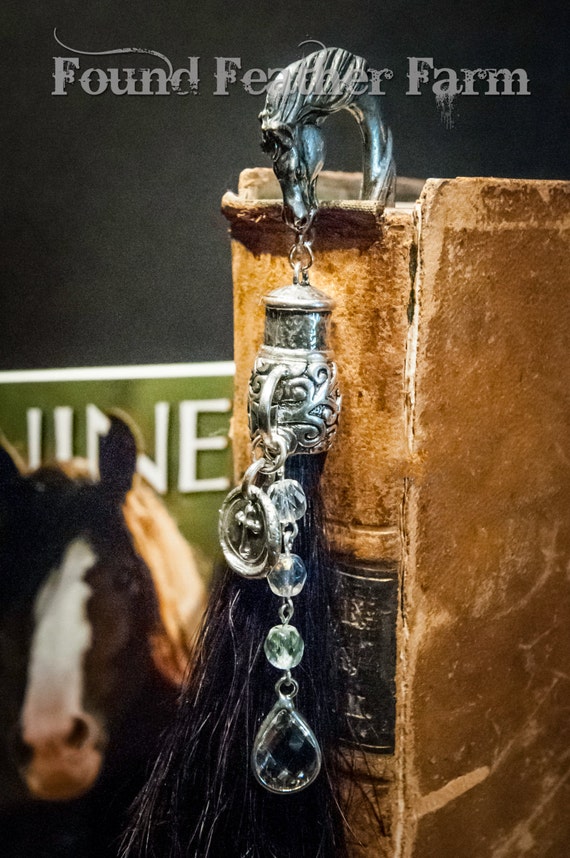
[100, 598]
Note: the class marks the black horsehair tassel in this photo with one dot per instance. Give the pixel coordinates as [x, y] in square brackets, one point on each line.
[243, 775]
[202, 799]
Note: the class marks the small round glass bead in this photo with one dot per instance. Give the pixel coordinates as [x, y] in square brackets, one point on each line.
[289, 500]
[288, 577]
[284, 647]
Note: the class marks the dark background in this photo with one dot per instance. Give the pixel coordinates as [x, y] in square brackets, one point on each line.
[113, 249]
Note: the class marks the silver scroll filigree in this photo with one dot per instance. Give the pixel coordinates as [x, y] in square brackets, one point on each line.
[305, 403]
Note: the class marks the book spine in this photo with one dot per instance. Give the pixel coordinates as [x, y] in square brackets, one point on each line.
[364, 259]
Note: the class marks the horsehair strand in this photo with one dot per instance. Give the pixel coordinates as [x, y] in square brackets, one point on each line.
[202, 800]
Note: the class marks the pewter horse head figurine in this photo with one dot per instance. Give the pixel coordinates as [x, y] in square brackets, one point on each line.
[298, 102]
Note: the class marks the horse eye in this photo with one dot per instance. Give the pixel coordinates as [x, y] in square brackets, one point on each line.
[125, 577]
[269, 145]
[123, 580]
[299, 174]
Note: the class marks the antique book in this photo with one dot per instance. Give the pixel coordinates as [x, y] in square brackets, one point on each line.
[448, 498]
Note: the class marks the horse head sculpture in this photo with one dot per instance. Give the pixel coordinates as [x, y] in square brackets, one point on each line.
[298, 101]
[99, 597]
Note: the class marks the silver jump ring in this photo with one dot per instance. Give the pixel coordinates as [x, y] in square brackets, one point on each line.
[266, 396]
[287, 680]
[290, 532]
[251, 473]
[286, 611]
[301, 254]
[272, 459]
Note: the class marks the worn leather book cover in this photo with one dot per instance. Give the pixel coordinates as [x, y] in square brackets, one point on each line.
[448, 499]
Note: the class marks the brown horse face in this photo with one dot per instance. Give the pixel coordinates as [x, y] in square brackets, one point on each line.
[65, 742]
[77, 610]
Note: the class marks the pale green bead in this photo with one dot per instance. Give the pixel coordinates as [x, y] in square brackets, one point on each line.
[284, 646]
[288, 577]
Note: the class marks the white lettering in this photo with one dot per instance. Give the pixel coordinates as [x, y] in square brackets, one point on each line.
[376, 76]
[191, 443]
[156, 473]
[97, 424]
[251, 77]
[469, 80]
[34, 423]
[191, 73]
[64, 73]
[63, 424]
[507, 77]
[128, 88]
[147, 76]
[418, 73]
[446, 83]
[225, 73]
[101, 83]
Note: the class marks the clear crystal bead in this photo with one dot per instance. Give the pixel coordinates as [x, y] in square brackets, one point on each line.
[286, 756]
[288, 577]
[284, 646]
[289, 500]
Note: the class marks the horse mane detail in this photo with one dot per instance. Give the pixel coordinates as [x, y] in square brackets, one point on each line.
[298, 102]
[174, 567]
[312, 88]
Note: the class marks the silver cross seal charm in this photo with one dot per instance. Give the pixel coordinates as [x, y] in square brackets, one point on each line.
[250, 533]
[249, 525]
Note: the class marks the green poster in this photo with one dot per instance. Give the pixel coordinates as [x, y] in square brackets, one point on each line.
[181, 410]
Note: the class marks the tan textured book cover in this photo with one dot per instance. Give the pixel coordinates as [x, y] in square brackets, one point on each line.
[450, 478]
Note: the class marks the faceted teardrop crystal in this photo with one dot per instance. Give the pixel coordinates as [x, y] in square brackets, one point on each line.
[284, 646]
[288, 577]
[286, 756]
[289, 500]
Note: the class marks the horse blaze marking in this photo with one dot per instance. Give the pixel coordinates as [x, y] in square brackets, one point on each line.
[61, 637]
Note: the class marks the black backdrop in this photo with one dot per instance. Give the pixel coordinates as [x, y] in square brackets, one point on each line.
[112, 246]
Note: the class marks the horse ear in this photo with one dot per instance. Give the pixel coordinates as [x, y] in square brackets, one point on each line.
[118, 456]
[8, 468]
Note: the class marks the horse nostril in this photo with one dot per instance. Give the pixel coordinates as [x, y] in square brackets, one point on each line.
[79, 734]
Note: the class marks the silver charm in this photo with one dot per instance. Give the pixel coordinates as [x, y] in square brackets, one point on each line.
[286, 756]
[298, 101]
[293, 386]
[294, 400]
[250, 532]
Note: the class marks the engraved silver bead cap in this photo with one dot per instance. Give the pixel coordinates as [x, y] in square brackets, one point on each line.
[293, 390]
[297, 316]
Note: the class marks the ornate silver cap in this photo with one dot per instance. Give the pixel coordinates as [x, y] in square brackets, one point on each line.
[297, 317]
[293, 387]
